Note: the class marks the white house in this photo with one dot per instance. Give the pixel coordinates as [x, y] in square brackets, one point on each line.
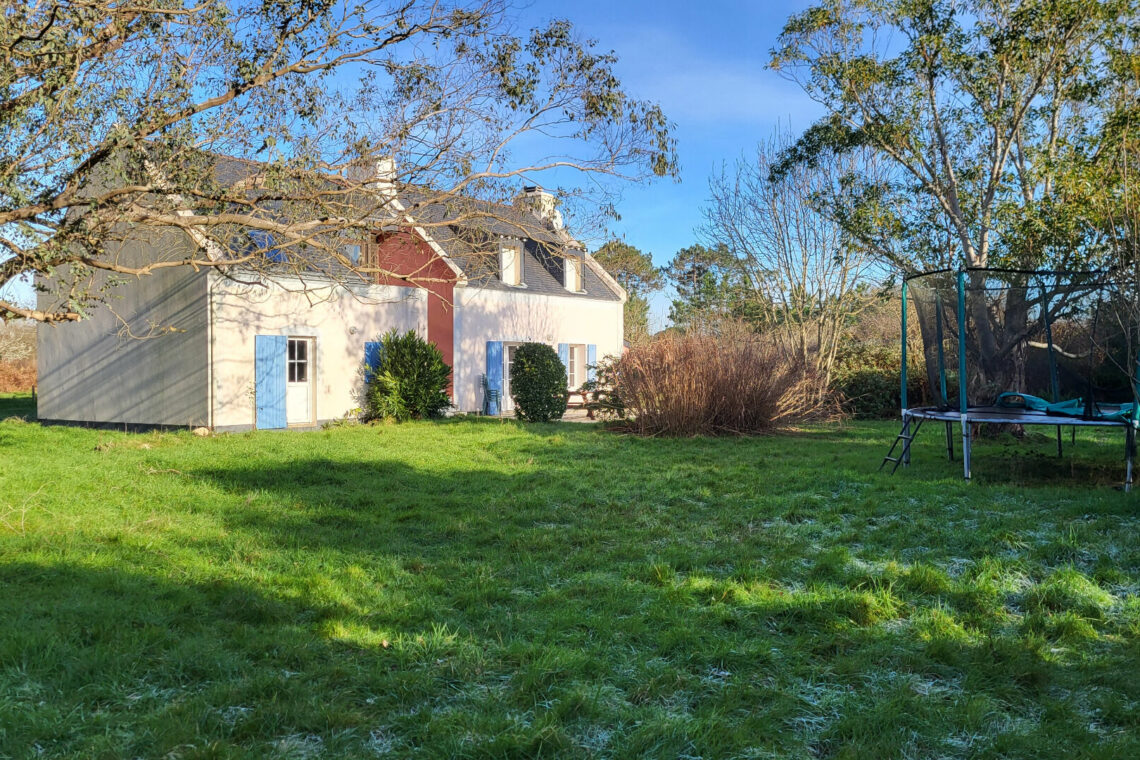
[232, 352]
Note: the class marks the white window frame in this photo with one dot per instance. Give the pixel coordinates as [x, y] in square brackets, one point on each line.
[572, 270]
[575, 365]
[292, 364]
[511, 264]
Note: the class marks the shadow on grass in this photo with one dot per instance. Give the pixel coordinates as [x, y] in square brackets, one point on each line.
[386, 506]
[22, 405]
[1030, 461]
[107, 662]
[1096, 457]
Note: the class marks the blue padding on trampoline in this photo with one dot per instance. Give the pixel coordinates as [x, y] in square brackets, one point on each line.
[1036, 404]
[1071, 408]
[1115, 411]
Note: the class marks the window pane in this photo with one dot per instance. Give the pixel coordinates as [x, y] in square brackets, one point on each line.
[298, 360]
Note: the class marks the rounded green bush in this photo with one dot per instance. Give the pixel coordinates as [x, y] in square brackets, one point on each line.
[411, 381]
[538, 383]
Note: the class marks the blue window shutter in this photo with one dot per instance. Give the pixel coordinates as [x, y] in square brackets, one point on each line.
[494, 374]
[371, 359]
[591, 362]
[564, 355]
[269, 380]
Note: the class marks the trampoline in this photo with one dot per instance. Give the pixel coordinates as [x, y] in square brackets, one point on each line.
[1020, 347]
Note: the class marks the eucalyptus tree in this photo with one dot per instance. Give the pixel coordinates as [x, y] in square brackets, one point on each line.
[287, 127]
[987, 115]
[982, 107]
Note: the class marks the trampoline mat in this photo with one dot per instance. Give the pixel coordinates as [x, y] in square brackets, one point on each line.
[1005, 415]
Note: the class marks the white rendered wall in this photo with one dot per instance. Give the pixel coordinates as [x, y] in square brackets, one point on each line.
[340, 320]
[483, 314]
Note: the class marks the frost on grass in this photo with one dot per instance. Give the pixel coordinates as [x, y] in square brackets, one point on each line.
[961, 744]
[822, 706]
[234, 714]
[298, 747]
[879, 681]
[955, 566]
[716, 676]
[380, 741]
[594, 739]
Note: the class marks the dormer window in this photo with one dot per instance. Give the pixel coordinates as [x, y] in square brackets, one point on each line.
[510, 263]
[360, 252]
[572, 273]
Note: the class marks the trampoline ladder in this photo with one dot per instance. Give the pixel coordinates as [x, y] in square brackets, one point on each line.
[906, 435]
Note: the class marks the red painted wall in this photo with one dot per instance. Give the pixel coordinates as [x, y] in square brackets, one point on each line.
[415, 264]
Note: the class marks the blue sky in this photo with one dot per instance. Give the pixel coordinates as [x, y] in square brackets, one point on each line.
[705, 63]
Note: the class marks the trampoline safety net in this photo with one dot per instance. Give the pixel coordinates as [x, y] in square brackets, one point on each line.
[1063, 339]
[1021, 347]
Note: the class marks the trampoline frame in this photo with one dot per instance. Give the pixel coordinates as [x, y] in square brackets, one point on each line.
[967, 415]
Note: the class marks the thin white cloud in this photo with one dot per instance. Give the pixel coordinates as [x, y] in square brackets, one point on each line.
[701, 87]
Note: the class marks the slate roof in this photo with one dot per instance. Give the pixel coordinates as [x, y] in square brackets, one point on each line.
[542, 272]
[472, 243]
[469, 232]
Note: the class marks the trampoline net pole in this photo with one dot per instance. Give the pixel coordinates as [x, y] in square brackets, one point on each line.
[1136, 389]
[962, 374]
[938, 317]
[1054, 385]
[1129, 455]
[1130, 437]
[902, 381]
[962, 342]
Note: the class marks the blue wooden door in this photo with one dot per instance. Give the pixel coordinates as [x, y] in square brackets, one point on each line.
[494, 377]
[564, 356]
[269, 380]
[371, 360]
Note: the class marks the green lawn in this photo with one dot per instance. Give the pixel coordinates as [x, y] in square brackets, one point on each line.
[485, 589]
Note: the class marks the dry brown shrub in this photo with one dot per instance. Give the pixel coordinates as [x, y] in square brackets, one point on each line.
[699, 384]
[17, 375]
